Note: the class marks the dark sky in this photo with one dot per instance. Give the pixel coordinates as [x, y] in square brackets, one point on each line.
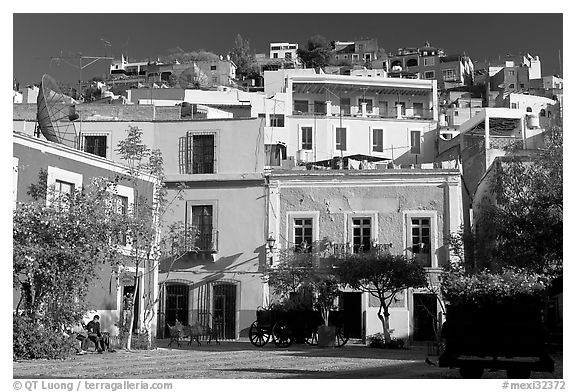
[37, 37]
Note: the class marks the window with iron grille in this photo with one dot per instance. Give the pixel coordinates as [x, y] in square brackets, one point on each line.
[306, 138]
[303, 235]
[197, 153]
[199, 228]
[421, 241]
[361, 234]
[378, 140]
[340, 138]
[95, 145]
[277, 120]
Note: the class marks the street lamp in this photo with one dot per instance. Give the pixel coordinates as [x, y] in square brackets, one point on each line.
[270, 242]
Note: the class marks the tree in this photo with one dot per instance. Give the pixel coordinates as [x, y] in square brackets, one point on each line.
[244, 58]
[143, 224]
[316, 53]
[58, 248]
[525, 225]
[383, 276]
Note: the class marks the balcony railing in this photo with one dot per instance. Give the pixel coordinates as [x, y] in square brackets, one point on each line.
[373, 113]
[191, 241]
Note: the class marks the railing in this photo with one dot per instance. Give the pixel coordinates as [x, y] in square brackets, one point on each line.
[203, 242]
[375, 113]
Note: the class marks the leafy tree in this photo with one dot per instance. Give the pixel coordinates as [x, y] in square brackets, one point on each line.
[244, 58]
[144, 222]
[316, 52]
[303, 281]
[383, 276]
[58, 248]
[525, 225]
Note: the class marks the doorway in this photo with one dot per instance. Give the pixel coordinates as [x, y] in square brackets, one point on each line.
[127, 299]
[176, 305]
[224, 310]
[425, 310]
[351, 306]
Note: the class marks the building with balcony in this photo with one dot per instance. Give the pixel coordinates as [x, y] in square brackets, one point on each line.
[429, 63]
[215, 186]
[69, 169]
[401, 211]
[283, 50]
[326, 116]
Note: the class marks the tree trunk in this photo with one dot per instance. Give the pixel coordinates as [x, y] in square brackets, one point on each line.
[132, 315]
[385, 320]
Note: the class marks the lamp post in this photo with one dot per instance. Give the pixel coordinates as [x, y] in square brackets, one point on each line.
[270, 242]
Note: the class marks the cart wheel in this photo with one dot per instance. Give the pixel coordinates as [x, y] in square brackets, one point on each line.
[281, 334]
[518, 373]
[341, 337]
[259, 336]
[471, 372]
[312, 338]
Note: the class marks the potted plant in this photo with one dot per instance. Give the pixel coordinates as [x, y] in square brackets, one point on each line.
[326, 291]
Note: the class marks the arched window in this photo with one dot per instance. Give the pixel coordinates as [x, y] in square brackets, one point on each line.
[549, 114]
[529, 109]
[396, 63]
[543, 113]
[412, 63]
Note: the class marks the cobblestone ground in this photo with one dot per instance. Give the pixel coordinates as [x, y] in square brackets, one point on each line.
[242, 360]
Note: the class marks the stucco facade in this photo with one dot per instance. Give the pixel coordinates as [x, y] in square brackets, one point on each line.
[391, 200]
[62, 163]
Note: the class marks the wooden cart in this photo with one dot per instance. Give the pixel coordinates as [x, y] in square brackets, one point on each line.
[293, 326]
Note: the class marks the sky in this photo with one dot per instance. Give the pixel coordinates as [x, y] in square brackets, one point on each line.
[37, 37]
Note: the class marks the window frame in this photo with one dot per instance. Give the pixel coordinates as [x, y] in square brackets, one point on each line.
[432, 215]
[54, 174]
[302, 128]
[108, 135]
[336, 148]
[430, 72]
[372, 215]
[375, 147]
[277, 120]
[291, 216]
[188, 219]
[415, 149]
[186, 154]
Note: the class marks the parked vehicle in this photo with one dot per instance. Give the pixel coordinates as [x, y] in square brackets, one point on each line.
[288, 326]
[508, 337]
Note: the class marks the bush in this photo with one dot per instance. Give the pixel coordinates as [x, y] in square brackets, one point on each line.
[378, 341]
[32, 340]
[509, 287]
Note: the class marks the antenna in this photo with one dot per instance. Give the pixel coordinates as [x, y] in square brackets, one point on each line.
[56, 113]
[81, 66]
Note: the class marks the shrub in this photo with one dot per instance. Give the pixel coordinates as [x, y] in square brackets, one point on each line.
[378, 341]
[32, 340]
[509, 287]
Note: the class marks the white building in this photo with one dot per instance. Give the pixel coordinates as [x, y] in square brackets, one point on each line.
[327, 116]
[283, 50]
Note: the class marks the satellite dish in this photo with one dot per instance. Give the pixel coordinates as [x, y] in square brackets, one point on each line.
[56, 113]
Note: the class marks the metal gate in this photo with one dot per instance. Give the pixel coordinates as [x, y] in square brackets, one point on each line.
[224, 309]
[175, 305]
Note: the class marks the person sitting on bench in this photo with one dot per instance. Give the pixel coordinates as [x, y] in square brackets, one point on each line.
[94, 334]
